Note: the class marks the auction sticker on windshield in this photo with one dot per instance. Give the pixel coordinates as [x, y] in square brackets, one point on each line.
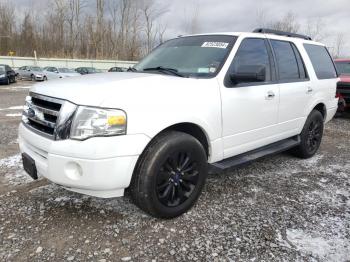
[215, 44]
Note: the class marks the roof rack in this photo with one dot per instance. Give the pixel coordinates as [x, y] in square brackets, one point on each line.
[282, 33]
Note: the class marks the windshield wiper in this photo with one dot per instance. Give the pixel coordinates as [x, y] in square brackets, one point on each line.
[172, 71]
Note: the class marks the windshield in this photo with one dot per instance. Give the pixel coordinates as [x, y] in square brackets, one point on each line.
[343, 67]
[36, 68]
[2, 69]
[196, 56]
[65, 70]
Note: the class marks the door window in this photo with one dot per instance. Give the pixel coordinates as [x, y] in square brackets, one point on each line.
[252, 53]
[287, 63]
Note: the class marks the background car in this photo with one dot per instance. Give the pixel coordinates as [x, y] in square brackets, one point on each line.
[34, 73]
[117, 69]
[7, 75]
[343, 87]
[59, 72]
[87, 70]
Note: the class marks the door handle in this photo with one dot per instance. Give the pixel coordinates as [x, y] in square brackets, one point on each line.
[309, 90]
[270, 95]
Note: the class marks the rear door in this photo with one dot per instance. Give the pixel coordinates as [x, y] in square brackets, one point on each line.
[295, 87]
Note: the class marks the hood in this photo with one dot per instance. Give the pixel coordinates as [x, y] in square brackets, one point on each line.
[113, 90]
[345, 78]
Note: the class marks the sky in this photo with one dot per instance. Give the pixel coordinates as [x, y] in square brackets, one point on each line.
[242, 15]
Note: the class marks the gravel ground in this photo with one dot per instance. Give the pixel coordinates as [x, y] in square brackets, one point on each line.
[276, 209]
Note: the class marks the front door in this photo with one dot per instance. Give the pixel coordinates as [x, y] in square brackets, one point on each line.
[249, 109]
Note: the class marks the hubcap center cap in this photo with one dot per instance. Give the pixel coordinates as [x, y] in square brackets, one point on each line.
[176, 177]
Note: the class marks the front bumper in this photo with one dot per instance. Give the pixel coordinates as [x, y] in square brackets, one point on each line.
[101, 166]
[3, 79]
[39, 77]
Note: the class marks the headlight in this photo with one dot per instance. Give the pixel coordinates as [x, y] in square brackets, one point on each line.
[89, 122]
[3, 75]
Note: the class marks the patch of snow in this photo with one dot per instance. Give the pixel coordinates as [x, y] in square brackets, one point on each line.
[23, 87]
[62, 199]
[14, 115]
[312, 161]
[332, 248]
[10, 162]
[18, 178]
[16, 141]
[13, 108]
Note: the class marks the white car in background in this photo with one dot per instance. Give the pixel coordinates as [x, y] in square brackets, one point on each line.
[59, 72]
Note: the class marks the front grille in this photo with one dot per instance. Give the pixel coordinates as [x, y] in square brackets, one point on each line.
[48, 116]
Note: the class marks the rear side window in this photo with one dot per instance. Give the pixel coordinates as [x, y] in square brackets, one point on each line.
[289, 62]
[321, 61]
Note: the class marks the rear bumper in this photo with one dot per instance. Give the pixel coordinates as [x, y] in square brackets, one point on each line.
[100, 167]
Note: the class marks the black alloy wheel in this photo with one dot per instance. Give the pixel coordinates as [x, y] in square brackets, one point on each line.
[177, 179]
[311, 136]
[170, 175]
[314, 135]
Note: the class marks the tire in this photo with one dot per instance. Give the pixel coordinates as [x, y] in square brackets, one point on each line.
[45, 78]
[7, 81]
[32, 78]
[311, 136]
[169, 175]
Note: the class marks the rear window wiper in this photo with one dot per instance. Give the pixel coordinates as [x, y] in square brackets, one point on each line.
[172, 71]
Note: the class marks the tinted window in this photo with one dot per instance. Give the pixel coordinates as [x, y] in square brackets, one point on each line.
[252, 52]
[321, 61]
[302, 70]
[343, 67]
[286, 60]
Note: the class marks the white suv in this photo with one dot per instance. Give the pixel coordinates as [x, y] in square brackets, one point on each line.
[196, 102]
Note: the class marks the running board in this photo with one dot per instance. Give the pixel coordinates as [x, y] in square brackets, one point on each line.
[271, 149]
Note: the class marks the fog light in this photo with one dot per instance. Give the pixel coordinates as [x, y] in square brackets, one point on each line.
[73, 171]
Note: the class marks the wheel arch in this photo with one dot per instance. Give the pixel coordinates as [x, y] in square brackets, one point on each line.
[194, 130]
[321, 107]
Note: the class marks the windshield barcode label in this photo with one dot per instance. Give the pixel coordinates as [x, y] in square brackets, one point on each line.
[215, 44]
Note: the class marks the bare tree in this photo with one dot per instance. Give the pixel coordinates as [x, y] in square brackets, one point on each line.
[7, 19]
[316, 29]
[121, 29]
[191, 18]
[338, 45]
[287, 23]
[150, 13]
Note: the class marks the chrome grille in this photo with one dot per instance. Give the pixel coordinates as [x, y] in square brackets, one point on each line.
[47, 116]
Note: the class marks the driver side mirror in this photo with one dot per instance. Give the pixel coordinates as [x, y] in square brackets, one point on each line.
[248, 74]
